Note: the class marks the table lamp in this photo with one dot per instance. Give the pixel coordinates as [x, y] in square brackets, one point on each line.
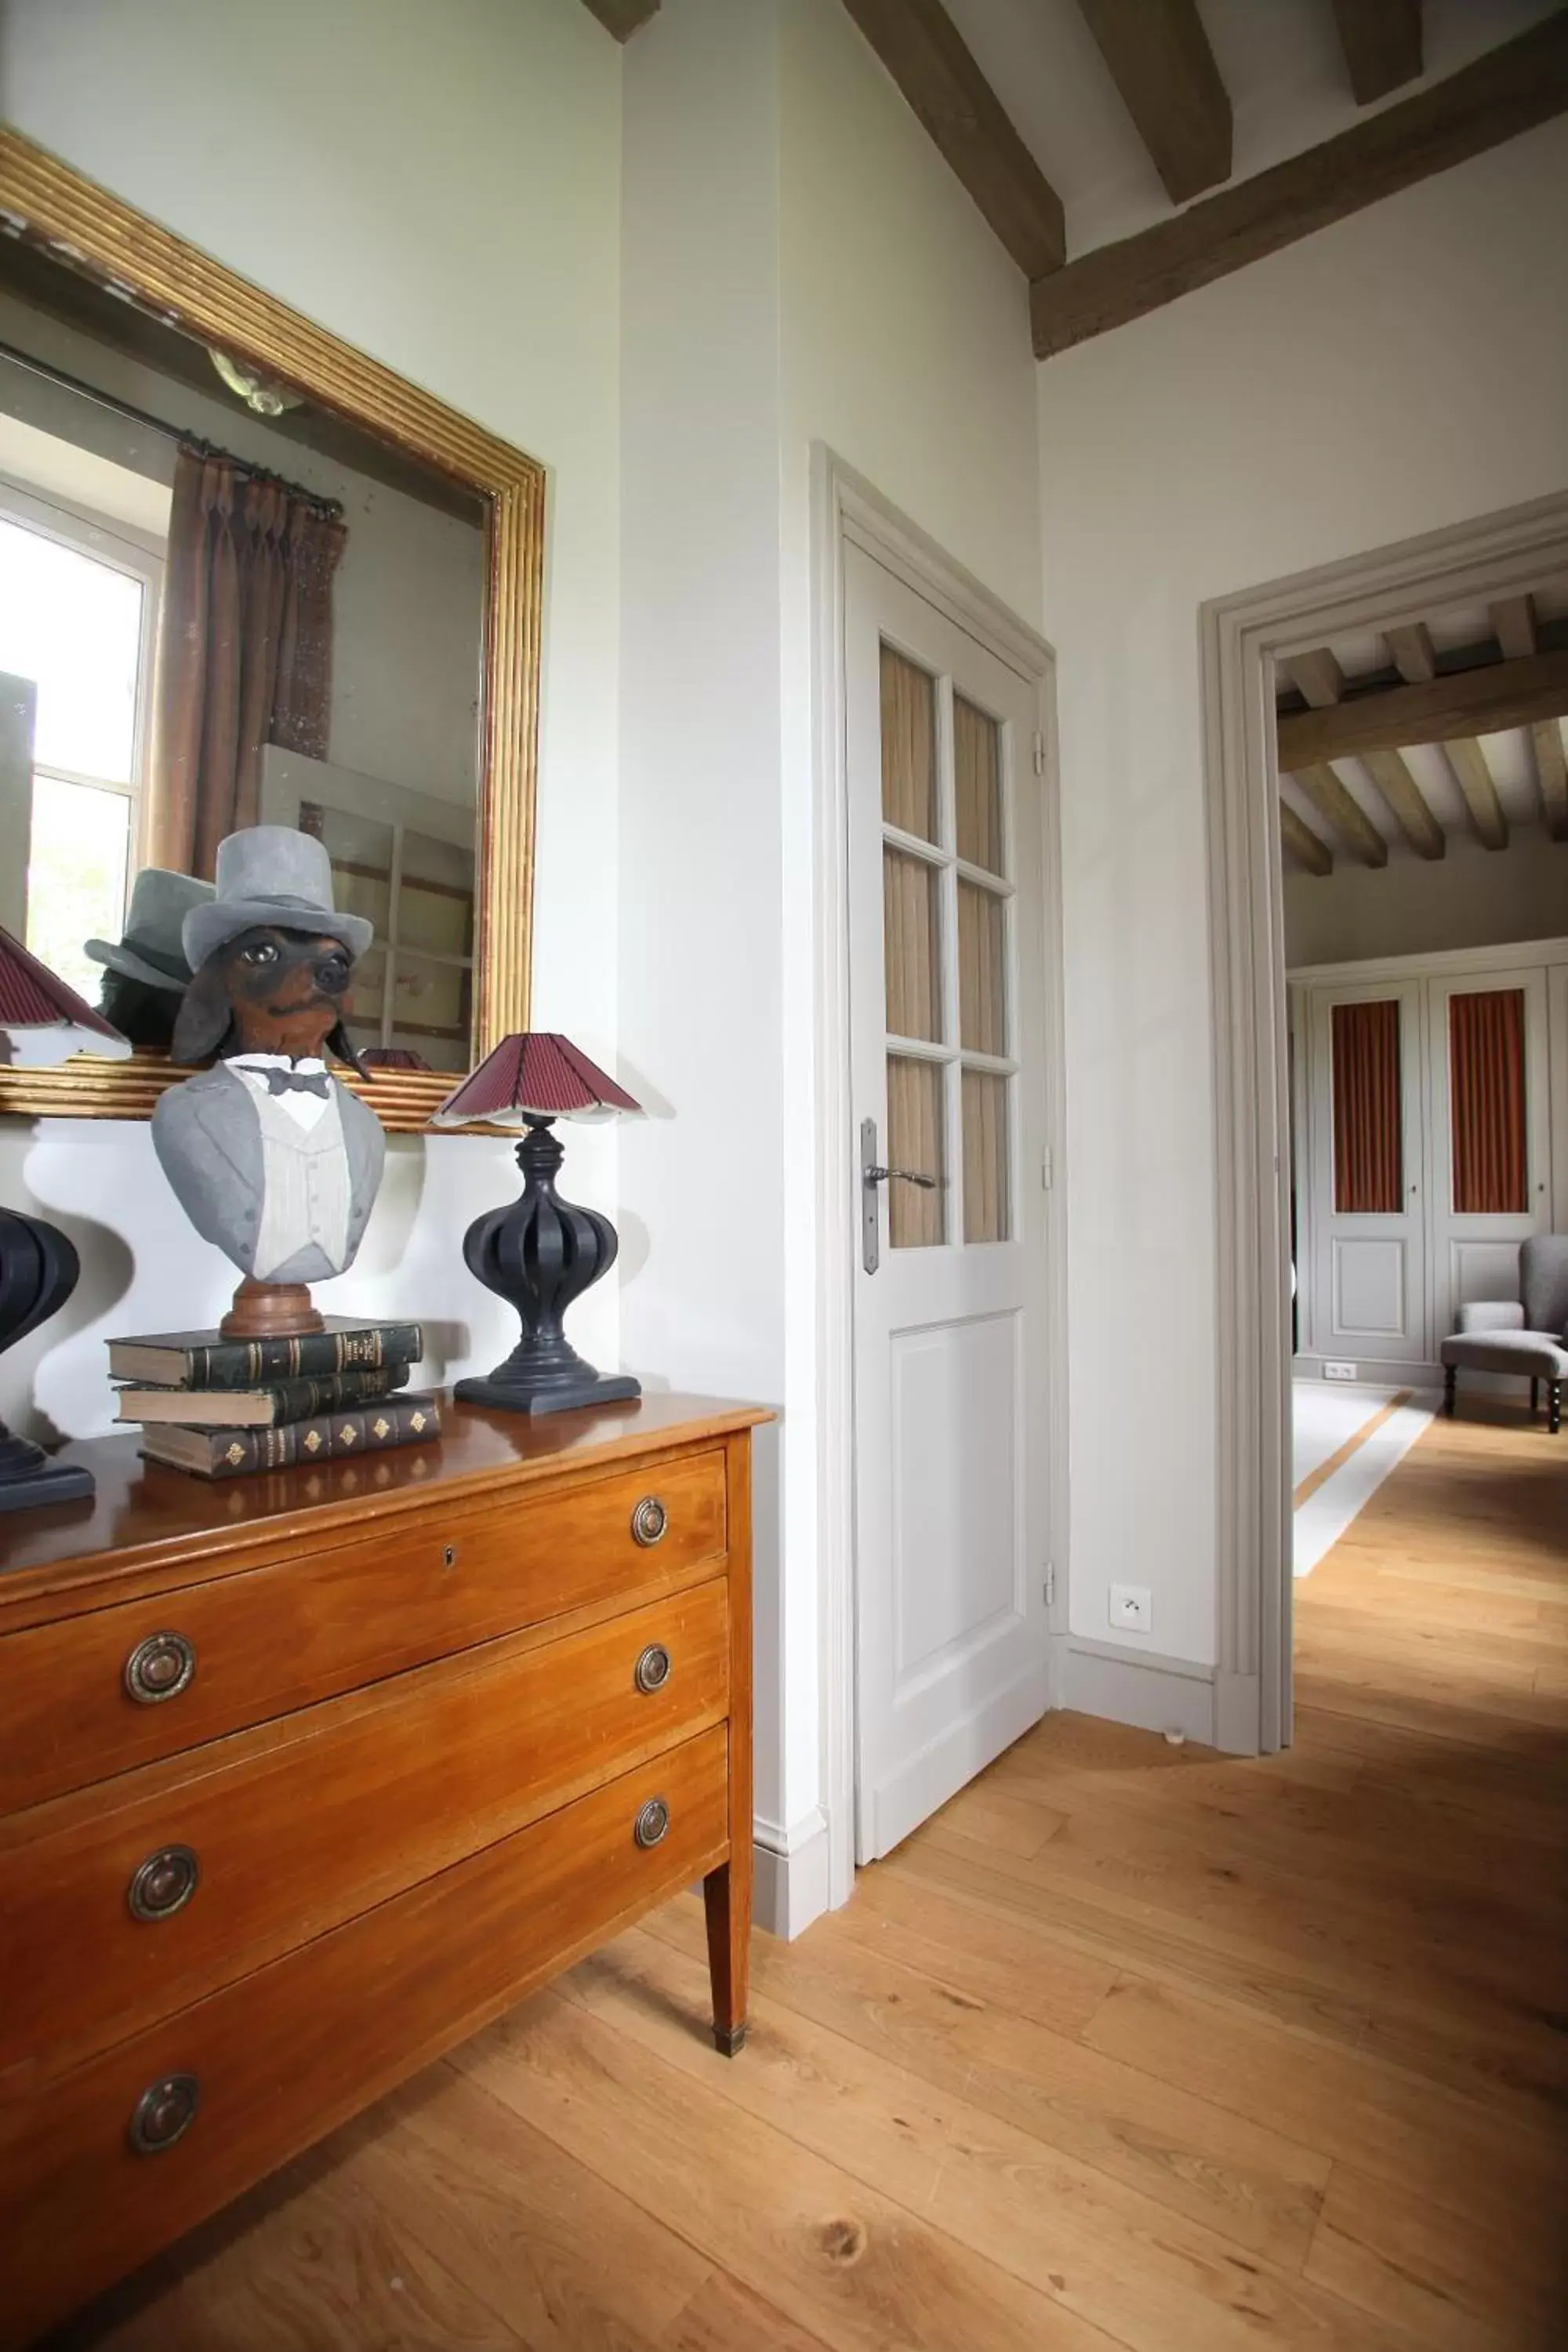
[42, 1021]
[541, 1253]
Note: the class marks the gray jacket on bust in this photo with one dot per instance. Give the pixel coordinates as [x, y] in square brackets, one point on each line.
[207, 1135]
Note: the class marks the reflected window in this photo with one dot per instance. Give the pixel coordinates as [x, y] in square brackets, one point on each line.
[77, 617]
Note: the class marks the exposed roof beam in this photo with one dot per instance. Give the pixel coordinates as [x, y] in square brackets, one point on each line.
[1382, 44]
[1316, 677]
[1552, 776]
[1408, 803]
[1350, 821]
[1513, 626]
[1463, 702]
[622, 18]
[1161, 61]
[920, 46]
[1468, 762]
[1303, 843]
[1509, 90]
[1414, 657]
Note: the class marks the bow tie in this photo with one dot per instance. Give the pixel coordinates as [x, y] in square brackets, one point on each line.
[297, 1082]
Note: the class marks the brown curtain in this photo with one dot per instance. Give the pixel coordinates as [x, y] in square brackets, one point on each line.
[1486, 1079]
[1369, 1179]
[244, 650]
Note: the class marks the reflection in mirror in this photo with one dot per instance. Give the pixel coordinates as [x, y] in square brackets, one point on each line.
[224, 605]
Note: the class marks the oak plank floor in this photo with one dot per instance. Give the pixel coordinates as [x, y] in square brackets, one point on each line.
[1131, 2047]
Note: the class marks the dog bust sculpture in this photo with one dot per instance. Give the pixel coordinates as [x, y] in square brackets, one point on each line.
[270, 1156]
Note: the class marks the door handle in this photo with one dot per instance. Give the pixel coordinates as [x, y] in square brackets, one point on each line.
[900, 1176]
[873, 1173]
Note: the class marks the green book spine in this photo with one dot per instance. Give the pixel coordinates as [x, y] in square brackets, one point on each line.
[230, 1452]
[314, 1355]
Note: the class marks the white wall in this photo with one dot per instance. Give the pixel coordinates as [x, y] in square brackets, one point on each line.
[799, 265]
[408, 593]
[442, 188]
[1470, 898]
[1403, 369]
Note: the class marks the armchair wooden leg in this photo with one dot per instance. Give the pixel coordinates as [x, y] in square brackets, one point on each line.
[1450, 1382]
[1534, 1397]
[1555, 1406]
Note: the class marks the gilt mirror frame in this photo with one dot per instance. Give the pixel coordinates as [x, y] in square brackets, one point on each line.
[44, 201]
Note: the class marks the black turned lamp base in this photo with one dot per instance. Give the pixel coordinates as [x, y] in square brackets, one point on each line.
[51, 1482]
[540, 1254]
[514, 1395]
[38, 1271]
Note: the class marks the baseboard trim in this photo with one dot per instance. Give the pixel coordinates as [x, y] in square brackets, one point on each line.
[1236, 1719]
[1142, 1688]
[792, 1880]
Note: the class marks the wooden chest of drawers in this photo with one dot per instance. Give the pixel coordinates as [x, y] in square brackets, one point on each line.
[306, 1777]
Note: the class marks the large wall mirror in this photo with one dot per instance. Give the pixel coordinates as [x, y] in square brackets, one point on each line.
[249, 576]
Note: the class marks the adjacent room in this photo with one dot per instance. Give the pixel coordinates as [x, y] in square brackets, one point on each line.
[784, 1175]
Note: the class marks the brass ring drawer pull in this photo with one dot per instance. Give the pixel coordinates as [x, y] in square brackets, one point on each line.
[652, 1823]
[164, 1883]
[653, 1668]
[160, 1667]
[163, 2114]
[649, 1521]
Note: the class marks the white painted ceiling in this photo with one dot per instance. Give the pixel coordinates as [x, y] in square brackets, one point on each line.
[1279, 60]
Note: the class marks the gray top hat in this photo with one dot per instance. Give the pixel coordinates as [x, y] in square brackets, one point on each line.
[272, 875]
[151, 951]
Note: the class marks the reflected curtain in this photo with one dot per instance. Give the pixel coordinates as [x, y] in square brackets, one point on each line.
[1486, 1078]
[1369, 1179]
[245, 649]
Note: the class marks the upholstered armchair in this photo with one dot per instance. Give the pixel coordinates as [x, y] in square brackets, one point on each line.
[1527, 1336]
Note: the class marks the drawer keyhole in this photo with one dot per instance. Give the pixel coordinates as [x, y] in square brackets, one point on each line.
[449, 1555]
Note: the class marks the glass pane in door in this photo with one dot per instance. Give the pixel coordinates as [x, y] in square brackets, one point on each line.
[1369, 1161]
[982, 970]
[911, 932]
[909, 746]
[986, 1187]
[1485, 1098]
[978, 779]
[917, 1143]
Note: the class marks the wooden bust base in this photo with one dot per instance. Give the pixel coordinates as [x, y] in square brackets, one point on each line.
[270, 1310]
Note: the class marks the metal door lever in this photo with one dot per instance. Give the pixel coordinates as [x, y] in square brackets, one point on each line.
[903, 1175]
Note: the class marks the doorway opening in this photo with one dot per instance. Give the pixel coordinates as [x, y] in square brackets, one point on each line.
[1389, 872]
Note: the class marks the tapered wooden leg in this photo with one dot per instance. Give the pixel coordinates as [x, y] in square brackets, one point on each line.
[1450, 1381]
[726, 1898]
[1534, 1397]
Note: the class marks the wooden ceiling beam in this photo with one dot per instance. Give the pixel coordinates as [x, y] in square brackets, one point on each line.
[1464, 702]
[1508, 90]
[922, 49]
[1303, 843]
[622, 18]
[1474, 777]
[1333, 801]
[1316, 677]
[1550, 776]
[1382, 44]
[1513, 626]
[1414, 657]
[1160, 59]
[1406, 801]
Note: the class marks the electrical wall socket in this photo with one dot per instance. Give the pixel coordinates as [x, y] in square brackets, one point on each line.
[1131, 1610]
[1342, 1371]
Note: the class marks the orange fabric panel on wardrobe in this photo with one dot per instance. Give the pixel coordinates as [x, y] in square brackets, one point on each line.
[1369, 1177]
[1486, 1094]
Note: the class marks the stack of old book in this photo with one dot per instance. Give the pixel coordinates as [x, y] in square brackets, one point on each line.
[221, 1407]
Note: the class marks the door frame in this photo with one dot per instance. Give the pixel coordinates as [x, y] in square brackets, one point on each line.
[847, 511]
[1241, 638]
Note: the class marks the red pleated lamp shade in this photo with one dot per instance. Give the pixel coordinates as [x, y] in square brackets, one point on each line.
[45, 1021]
[536, 1074]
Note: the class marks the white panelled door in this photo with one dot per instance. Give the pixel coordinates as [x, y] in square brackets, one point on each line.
[1369, 1274]
[1492, 1134]
[948, 1054]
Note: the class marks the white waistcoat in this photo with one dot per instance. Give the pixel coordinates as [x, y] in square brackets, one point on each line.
[305, 1186]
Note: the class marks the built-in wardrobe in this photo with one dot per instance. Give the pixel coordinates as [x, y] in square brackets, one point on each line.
[1430, 1138]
